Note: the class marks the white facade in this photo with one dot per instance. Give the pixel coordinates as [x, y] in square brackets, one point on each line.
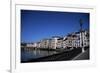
[38, 44]
[32, 45]
[60, 43]
[84, 38]
[44, 43]
[54, 43]
[74, 40]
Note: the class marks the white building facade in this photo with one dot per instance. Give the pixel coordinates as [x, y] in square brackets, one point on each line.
[72, 40]
[76, 40]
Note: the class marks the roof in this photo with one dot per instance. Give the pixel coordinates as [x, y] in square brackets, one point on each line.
[60, 39]
[56, 36]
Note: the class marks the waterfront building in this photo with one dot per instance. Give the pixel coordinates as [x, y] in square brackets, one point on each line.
[31, 45]
[60, 43]
[73, 40]
[38, 45]
[54, 41]
[44, 43]
[65, 42]
[77, 40]
[85, 38]
[50, 44]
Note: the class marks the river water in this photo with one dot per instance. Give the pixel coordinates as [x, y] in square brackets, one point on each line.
[33, 54]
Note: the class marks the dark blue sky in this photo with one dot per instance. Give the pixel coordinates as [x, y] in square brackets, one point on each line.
[36, 25]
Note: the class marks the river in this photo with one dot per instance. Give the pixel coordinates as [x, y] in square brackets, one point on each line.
[33, 54]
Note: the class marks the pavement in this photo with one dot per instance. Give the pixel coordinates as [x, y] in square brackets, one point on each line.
[82, 56]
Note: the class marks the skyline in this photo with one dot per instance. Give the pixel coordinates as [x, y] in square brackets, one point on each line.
[36, 25]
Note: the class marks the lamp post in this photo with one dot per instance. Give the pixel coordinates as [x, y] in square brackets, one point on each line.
[81, 31]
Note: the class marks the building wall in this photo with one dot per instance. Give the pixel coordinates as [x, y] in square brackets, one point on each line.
[31, 45]
[77, 40]
[60, 43]
[72, 40]
[54, 43]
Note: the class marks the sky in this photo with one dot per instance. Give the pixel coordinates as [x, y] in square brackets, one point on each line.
[37, 25]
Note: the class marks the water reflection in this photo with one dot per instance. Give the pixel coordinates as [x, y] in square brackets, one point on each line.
[34, 53]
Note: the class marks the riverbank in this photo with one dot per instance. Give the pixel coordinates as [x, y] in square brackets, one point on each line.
[45, 49]
[63, 56]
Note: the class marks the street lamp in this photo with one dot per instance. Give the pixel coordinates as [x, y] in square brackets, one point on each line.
[81, 30]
